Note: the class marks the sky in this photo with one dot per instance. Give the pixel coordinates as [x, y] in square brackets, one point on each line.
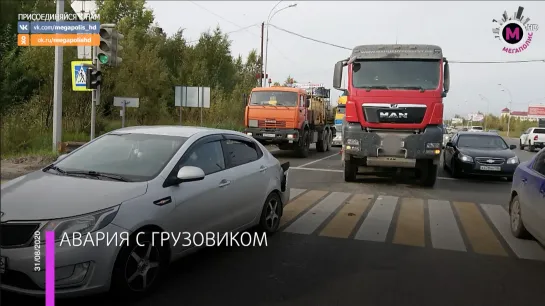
[462, 29]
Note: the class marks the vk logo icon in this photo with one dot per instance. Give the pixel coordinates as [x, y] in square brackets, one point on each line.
[23, 27]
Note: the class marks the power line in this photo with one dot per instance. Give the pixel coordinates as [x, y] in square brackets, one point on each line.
[450, 61]
[230, 32]
[312, 39]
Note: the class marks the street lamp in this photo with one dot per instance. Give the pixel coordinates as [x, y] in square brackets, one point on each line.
[505, 89]
[271, 15]
[487, 108]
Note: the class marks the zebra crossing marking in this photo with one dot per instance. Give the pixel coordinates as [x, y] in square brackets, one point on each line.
[311, 220]
[479, 233]
[375, 226]
[410, 224]
[444, 230]
[457, 226]
[342, 225]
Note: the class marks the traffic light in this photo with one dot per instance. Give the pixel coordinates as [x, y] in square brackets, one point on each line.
[93, 78]
[108, 50]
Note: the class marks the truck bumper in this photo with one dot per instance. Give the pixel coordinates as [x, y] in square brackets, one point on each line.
[273, 136]
[390, 148]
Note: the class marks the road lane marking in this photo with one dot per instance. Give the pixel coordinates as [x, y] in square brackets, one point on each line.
[294, 192]
[347, 218]
[410, 223]
[298, 205]
[444, 230]
[311, 220]
[315, 161]
[525, 249]
[479, 233]
[376, 224]
[342, 171]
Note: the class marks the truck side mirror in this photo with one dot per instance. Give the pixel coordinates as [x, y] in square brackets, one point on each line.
[244, 99]
[446, 77]
[337, 75]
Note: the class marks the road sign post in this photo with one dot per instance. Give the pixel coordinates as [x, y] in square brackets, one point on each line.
[198, 97]
[125, 102]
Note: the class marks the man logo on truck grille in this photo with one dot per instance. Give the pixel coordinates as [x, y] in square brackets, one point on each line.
[393, 115]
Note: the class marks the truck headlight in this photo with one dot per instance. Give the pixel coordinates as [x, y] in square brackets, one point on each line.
[291, 136]
[465, 158]
[249, 134]
[433, 145]
[252, 123]
[513, 161]
[81, 224]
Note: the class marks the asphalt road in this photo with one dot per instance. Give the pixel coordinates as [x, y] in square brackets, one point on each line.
[374, 242]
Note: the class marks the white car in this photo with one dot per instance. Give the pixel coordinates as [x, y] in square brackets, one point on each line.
[135, 182]
[475, 129]
[532, 138]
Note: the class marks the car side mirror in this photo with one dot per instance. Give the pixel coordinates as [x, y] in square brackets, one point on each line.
[61, 157]
[190, 174]
[449, 144]
[512, 147]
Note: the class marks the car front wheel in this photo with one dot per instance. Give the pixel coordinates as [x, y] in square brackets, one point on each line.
[139, 266]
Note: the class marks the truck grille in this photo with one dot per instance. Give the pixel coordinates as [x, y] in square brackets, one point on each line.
[394, 113]
[490, 160]
[13, 235]
[271, 124]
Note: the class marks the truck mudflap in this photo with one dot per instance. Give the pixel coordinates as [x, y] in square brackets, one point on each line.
[392, 148]
[274, 136]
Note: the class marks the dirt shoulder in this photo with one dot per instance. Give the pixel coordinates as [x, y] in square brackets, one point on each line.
[15, 167]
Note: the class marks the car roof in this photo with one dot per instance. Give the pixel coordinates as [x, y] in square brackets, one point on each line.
[478, 133]
[174, 130]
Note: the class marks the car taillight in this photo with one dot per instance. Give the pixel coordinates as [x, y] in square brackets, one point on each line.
[535, 137]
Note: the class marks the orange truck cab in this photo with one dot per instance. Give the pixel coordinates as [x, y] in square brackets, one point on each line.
[291, 117]
[394, 110]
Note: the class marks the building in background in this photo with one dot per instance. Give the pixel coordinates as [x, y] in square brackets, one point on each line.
[517, 114]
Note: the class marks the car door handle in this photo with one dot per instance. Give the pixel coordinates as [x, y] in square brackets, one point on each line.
[224, 183]
[262, 168]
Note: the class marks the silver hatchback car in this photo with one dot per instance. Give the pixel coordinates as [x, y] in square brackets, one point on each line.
[148, 184]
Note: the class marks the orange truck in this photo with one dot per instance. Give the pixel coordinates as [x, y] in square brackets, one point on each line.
[291, 117]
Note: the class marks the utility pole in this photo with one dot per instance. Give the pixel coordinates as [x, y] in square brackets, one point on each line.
[57, 89]
[261, 58]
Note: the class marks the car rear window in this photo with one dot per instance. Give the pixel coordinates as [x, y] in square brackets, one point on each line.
[539, 131]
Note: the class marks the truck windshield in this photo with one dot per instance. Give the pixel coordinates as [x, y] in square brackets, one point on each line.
[396, 74]
[280, 98]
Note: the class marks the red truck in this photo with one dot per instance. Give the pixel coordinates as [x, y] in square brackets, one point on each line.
[394, 110]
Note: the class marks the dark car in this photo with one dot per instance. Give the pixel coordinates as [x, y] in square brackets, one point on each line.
[480, 153]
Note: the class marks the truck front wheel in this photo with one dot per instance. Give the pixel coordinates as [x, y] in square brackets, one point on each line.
[350, 171]
[304, 144]
[428, 174]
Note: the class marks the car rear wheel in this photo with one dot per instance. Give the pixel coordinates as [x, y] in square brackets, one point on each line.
[521, 146]
[139, 266]
[515, 215]
[271, 214]
[531, 148]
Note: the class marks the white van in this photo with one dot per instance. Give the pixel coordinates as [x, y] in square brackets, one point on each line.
[475, 128]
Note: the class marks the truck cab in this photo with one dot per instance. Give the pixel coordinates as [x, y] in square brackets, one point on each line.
[394, 109]
[290, 117]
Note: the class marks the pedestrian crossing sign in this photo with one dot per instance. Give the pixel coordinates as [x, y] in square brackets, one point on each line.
[79, 77]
